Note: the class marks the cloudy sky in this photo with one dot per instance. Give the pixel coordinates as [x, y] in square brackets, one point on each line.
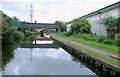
[48, 11]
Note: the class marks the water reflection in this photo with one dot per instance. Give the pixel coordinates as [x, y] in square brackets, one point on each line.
[40, 42]
[32, 60]
[7, 52]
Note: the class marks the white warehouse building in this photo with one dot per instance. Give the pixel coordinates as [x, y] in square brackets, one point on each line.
[94, 18]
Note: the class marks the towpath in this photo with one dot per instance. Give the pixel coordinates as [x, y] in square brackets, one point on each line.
[113, 56]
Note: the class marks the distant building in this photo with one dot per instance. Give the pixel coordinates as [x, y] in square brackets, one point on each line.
[94, 17]
[68, 26]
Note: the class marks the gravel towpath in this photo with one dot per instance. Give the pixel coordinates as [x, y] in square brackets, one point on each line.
[113, 56]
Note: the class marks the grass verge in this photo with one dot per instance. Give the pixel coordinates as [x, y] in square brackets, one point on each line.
[108, 48]
[107, 59]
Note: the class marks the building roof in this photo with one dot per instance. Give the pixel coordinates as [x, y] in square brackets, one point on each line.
[103, 9]
[38, 25]
[117, 4]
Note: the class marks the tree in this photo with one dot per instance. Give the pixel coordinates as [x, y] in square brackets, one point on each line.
[61, 25]
[117, 25]
[15, 22]
[80, 25]
[108, 22]
[9, 34]
[111, 24]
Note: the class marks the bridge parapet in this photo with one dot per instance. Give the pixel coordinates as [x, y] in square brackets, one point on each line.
[39, 25]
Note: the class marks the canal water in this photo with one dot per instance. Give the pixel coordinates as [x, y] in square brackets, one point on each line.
[41, 56]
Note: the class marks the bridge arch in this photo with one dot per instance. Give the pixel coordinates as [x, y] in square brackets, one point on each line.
[40, 26]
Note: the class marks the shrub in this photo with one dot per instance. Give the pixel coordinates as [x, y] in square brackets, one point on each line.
[108, 41]
[93, 38]
[61, 25]
[112, 25]
[69, 33]
[117, 42]
[84, 36]
[9, 34]
[117, 25]
[81, 25]
[100, 39]
[19, 35]
[63, 33]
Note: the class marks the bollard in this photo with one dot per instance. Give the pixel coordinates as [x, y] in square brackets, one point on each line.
[79, 56]
[76, 53]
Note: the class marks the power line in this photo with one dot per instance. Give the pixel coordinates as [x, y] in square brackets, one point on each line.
[31, 13]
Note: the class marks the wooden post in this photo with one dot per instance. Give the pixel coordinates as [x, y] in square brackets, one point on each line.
[35, 41]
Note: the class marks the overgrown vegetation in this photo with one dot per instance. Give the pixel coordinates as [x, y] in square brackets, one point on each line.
[61, 25]
[7, 52]
[81, 28]
[112, 25]
[81, 33]
[105, 47]
[99, 39]
[9, 34]
[80, 25]
[27, 31]
[69, 33]
[97, 55]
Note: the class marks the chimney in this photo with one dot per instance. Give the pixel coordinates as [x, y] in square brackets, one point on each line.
[35, 21]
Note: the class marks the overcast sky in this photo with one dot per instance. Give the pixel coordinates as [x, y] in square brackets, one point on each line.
[48, 11]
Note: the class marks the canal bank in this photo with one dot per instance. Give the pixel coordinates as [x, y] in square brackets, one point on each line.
[79, 52]
[42, 56]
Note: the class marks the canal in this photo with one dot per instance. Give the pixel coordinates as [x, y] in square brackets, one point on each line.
[41, 56]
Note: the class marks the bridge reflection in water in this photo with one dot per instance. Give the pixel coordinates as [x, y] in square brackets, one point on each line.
[40, 42]
[42, 56]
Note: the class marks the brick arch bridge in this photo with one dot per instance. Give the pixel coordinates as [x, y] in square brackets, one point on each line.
[40, 27]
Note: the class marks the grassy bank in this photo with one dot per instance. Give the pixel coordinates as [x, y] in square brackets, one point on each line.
[108, 48]
[107, 59]
[10, 31]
